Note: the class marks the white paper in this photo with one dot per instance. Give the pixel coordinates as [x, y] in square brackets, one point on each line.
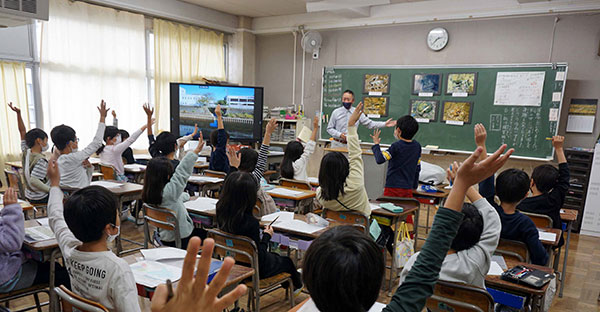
[43, 221]
[374, 206]
[195, 178]
[284, 192]
[275, 153]
[281, 216]
[560, 76]
[553, 114]
[142, 156]
[500, 261]
[135, 167]
[460, 94]
[157, 254]
[106, 184]
[519, 88]
[313, 180]
[422, 120]
[426, 94]
[152, 273]
[547, 236]
[310, 306]
[376, 93]
[455, 122]
[94, 160]
[201, 204]
[305, 134]
[373, 115]
[580, 123]
[39, 233]
[201, 159]
[495, 269]
[298, 226]
[556, 96]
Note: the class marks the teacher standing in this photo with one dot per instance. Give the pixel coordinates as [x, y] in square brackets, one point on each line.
[338, 123]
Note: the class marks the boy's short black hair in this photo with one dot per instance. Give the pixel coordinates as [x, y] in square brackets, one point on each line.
[165, 143]
[470, 229]
[512, 185]
[32, 135]
[89, 210]
[348, 91]
[62, 135]
[545, 177]
[248, 159]
[214, 136]
[343, 270]
[408, 125]
[124, 134]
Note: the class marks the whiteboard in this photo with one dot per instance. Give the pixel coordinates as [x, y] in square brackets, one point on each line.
[519, 88]
[591, 212]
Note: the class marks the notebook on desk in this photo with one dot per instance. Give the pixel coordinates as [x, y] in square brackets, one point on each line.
[201, 204]
[38, 234]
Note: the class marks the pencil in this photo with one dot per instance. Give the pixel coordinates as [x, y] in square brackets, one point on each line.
[548, 139]
[273, 221]
[169, 290]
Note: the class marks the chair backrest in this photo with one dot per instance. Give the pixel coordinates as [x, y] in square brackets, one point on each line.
[347, 217]
[162, 218]
[215, 174]
[69, 300]
[241, 248]
[303, 185]
[511, 248]
[108, 171]
[458, 297]
[403, 202]
[14, 180]
[540, 220]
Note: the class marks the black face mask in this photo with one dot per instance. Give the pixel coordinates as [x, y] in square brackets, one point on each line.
[347, 105]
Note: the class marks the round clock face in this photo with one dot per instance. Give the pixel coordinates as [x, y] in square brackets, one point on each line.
[437, 39]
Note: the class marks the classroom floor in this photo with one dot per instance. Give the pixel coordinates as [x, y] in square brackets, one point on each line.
[581, 291]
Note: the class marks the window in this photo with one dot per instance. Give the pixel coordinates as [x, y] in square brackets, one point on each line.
[150, 66]
[31, 99]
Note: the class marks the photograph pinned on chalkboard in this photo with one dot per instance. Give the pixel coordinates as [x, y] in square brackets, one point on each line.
[461, 84]
[377, 83]
[427, 83]
[457, 111]
[424, 110]
[376, 106]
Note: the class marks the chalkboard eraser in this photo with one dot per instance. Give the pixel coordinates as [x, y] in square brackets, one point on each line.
[431, 147]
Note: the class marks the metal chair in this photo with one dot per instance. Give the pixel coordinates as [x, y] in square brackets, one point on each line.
[33, 290]
[70, 300]
[303, 185]
[347, 217]
[162, 218]
[108, 171]
[511, 248]
[448, 296]
[244, 250]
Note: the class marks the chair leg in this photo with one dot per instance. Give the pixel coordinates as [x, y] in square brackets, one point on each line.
[290, 291]
[37, 302]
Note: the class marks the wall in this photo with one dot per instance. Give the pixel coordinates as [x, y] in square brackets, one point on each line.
[509, 40]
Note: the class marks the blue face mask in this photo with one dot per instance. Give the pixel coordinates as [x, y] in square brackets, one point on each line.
[347, 105]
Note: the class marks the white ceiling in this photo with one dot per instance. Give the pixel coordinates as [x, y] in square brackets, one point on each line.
[261, 8]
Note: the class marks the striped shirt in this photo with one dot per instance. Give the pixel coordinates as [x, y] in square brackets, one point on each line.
[38, 172]
[261, 163]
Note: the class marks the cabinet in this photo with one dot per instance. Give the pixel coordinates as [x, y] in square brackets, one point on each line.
[580, 165]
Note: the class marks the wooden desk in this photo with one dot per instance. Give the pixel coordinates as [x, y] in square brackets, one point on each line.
[97, 176]
[206, 186]
[237, 274]
[201, 165]
[14, 164]
[127, 192]
[429, 199]
[49, 251]
[308, 236]
[569, 216]
[137, 171]
[298, 306]
[556, 240]
[537, 295]
[395, 219]
[304, 194]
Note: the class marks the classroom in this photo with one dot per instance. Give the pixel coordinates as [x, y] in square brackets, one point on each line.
[299, 155]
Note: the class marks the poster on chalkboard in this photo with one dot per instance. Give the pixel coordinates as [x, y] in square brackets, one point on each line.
[519, 88]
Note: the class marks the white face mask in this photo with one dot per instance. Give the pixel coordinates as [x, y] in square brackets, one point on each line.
[45, 148]
[110, 238]
[118, 139]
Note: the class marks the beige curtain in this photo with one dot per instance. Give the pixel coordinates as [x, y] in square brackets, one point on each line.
[183, 54]
[13, 88]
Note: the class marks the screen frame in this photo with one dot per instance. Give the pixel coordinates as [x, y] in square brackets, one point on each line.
[258, 110]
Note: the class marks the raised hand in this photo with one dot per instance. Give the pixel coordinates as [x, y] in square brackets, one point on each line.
[198, 148]
[53, 173]
[14, 108]
[480, 135]
[103, 111]
[316, 122]
[271, 126]
[390, 123]
[218, 111]
[472, 172]
[10, 197]
[195, 130]
[558, 141]
[114, 113]
[149, 111]
[356, 114]
[234, 157]
[192, 293]
[451, 171]
[375, 136]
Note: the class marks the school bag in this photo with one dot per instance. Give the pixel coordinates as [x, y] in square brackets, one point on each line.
[431, 174]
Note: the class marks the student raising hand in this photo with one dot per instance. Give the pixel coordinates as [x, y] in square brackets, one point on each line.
[52, 173]
[234, 157]
[358, 111]
[200, 145]
[192, 293]
[375, 136]
[10, 197]
[103, 111]
[480, 135]
[558, 141]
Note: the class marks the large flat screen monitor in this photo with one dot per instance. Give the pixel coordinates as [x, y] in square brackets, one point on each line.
[195, 104]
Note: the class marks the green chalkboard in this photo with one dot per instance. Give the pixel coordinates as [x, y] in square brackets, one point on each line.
[510, 117]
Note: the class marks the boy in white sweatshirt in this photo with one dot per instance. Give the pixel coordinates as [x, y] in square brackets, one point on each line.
[83, 228]
[76, 171]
